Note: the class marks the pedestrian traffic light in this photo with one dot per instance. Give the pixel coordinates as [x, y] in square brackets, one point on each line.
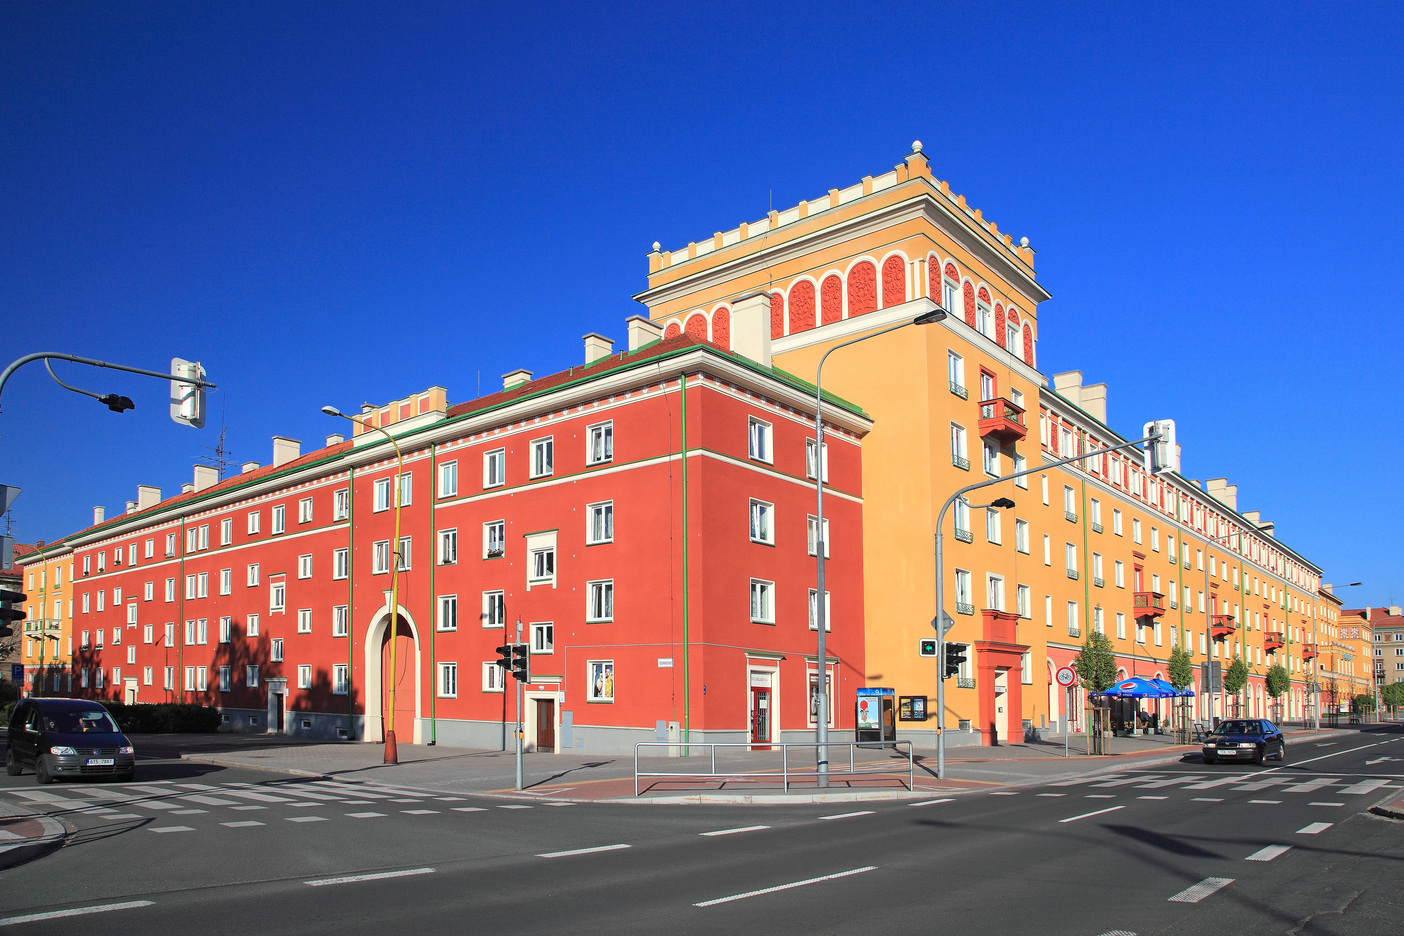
[7, 613]
[926, 648]
[504, 654]
[521, 662]
[955, 656]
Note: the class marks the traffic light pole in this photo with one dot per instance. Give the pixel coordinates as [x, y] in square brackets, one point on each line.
[940, 596]
[91, 362]
[517, 649]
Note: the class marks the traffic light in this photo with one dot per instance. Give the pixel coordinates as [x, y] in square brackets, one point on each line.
[7, 613]
[521, 662]
[955, 656]
[187, 395]
[504, 654]
[1163, 454]
[926, 648]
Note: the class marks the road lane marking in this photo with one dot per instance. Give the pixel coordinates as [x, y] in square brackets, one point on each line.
[1127, 780]
[1311, 786]
[1364, 786]
[1269, 853]
[780, 887]
[76, 911]
[1201, 890]
[514, 807]
[1152, 797]
[933, 802]
[469, 809]
[306, 818]
[376, 876]
[171, 828]
[1100, 796]
[1315, 828]
[1118, 933]
[1334, 754]
[1087, 814]
[1052, 794]
[189, 812]
[420, 812]
[558, 804]
[1207, 799]
[246, 808]
[1265, 802]
[582, 851]
[366, 815]
[849, 815]
[749, 828]
[208, 800]
[1005, 793]
[1325, 804]
[245, 824]
[1170, 781]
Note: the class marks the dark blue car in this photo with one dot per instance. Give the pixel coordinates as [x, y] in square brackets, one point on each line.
[1245, 738]
[67, 738]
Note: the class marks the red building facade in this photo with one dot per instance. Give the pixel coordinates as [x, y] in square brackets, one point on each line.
[653, 544]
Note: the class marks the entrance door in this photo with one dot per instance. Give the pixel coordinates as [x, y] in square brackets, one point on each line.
[1001, 706]
[760, 714]
[277, 701]
[129, 692]
[546, 725]
[403, 681]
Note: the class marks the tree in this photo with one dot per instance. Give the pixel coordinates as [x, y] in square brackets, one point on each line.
[1277, 680]
[1181, 669]
[1393, 694]
[1236, 677]
[1363, 702]
[1096, 664]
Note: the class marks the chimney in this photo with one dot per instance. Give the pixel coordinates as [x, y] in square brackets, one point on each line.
[147, 496]
[187, 488]
[1394, 611]
[515, 378]
[1251, 516]
[205, 477]
[750, 327]
[1094, 401]
[285, 450]
[131, 506]
[597, 346]
[335, 438]
[99, 515]
[1222, 491]
[642, 332]
[249, 466]
[1069, 385]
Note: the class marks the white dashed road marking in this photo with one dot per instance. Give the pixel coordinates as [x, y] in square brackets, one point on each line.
[1269, 853]
[1087, 814]
[245, 824]
[1315, 828]
[366, 815]
[76, 911]
[933, 802]
[849, 815]
[376, 876]
[1201, 890]
[780, 887]
[749, 828]
[582, 851]
[1325, 804]
[171, 828]
[307, 818]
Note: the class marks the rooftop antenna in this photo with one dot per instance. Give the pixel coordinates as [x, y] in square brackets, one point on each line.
[221, 459]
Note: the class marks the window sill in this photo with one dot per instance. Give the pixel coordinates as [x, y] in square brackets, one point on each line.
[767, 623]
[762, 542]
[603, 542]
[492, 556]
[598, 621]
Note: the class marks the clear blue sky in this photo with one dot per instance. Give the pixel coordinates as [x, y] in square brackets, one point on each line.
[338, 203]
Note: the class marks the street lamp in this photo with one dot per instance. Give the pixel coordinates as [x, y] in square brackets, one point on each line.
[392, 754]
[821, 712]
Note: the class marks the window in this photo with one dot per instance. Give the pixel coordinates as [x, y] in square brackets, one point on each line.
[543, 457]
[992, 525]
[495, 470]
[1021, 536]
[147, 633]
[1094, 509]
[226, 626]
[341, 621]
[1073, 629]
[984, 321]
[814, 611]
[251, 676]
[380, 557]
[600, 682]
[406, 488]
[448, 547]
[132, 614]
[279, 515]
[1044, 480]
[600, 523]
[1116, 522]
[341, 563]
[600, 601]
[601, 444]
[1023, 597]
[304, 621]
[761, 528]
[1119, 569]
[102, 562]
[146, 676]
[811, 527]
[1070, 552]
[543, 638]
[277, 597]
[304, 567]
[253, 574]
[1155, 539]
[275, 650]
[150, 551]
[341, 673]
[955, 371]
[959, 457]
[964, 602]
[1011, 341]
[102, 600]
[762, 611]
[117, 597]
[990, 457]
[170, 635]
[1097, 569]
[189, 591]
[1021, 464]
[304, 510]
[809, 468]
[448, 479]
[404, 562]
[226, 534]
[994, 592]
[492, 677]
[253, 528]
[1136, 530]
[448, 612]
[202, 585]
[1070, 503]
[494, 539]
[448, 680]
[1098, 623]
[543, 564]
[341, 504]
[759, 437]
[494, 609]
[226, 581]
[380, 495]
[304, 676]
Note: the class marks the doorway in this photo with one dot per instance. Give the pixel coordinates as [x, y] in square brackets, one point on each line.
[402, 679]
[760, 715]
[545, 725]
[1001, 699]
[129, 692]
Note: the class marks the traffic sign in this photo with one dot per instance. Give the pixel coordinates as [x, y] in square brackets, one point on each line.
[1065, 676]
[8, 493]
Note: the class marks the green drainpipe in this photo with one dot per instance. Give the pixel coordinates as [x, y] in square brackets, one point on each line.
[433, 600]
[687, 663]
[350, 599]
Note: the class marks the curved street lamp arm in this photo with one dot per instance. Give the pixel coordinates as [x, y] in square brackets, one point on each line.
[91, 362]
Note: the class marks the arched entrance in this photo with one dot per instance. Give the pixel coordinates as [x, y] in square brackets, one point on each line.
[408, 667]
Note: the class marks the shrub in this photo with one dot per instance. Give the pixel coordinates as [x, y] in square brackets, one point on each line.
[164, 717]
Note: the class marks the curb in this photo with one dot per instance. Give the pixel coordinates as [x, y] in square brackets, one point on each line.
[50, 839]
[240, 765]
[1391, 808]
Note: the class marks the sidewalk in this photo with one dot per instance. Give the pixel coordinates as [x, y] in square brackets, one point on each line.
[25, 835]
[584, 778]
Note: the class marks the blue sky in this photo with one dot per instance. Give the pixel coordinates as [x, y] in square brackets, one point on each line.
[338, 203]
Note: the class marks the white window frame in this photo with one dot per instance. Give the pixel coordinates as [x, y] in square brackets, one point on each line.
[494, 679]
[304, 676]
[341, 504]
[599, 601]
[275, 650]
[813, 610]
[495, 469]
[381, 490]
[448, 479]
[341, 563]
[304, 510]
[448, 546]
[277, 597]
[279, 519]
[254, 525]
[448, 613]
[811, 524]
[599, 523]
[543, 457]
[760, 440]
[500, 528]
[341, 620]
[762, 601]
[809, 445]
[304, 621]
[494, 615]
[304, 566]
[543, 637]
[380, 557]
[447, 687]
[762, 522]
[253, 575]
[599, 443]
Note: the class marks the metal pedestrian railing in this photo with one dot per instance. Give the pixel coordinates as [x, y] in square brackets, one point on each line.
[786, 773]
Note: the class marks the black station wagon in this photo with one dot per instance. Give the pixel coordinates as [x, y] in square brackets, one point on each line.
[67, 738]
[1245, 738]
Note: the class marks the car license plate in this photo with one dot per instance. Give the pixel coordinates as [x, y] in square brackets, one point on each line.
[1228, 752]
[101, 762]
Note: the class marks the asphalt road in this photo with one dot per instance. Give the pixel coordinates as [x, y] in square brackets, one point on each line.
[1182, 848]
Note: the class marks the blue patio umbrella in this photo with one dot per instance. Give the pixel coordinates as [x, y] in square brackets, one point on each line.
[1138, 687]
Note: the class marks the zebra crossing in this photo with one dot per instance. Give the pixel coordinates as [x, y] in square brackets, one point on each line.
[1335, 784]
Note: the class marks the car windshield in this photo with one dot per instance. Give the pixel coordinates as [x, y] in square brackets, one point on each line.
[1239, 728]
[93, 722]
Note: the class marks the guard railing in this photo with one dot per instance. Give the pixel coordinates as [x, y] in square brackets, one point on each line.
[786, 773]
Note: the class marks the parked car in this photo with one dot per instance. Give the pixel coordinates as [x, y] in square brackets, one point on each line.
[1242, 738]
[67, 738]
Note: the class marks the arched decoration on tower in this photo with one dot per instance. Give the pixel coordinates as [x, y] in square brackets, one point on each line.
[831, 299]
[696, 326]
[894, 281]
[984, 295]
[862, 289]
[952, 273]
[933, 278]
[672, 331]
[1028, 345]
[969, 304]
[999, 325]
[801, 306]
[1012, 314]
[777, 315]
[721, 327]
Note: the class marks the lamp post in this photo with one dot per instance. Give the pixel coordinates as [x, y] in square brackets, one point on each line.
[821, 701]
[392, 754]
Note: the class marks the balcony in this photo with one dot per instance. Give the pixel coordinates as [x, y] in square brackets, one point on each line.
[1096, 527]
[1072, 574]
[960, 391]
[1273, 642]
[960, 462]
[1222, 626]
[965, 536]
[964, 607]
[1074, 630]
[1148, 604]
[963, 682]
[1098, 581]
[1309, 651]
[1070, 516]
[1002, 420]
